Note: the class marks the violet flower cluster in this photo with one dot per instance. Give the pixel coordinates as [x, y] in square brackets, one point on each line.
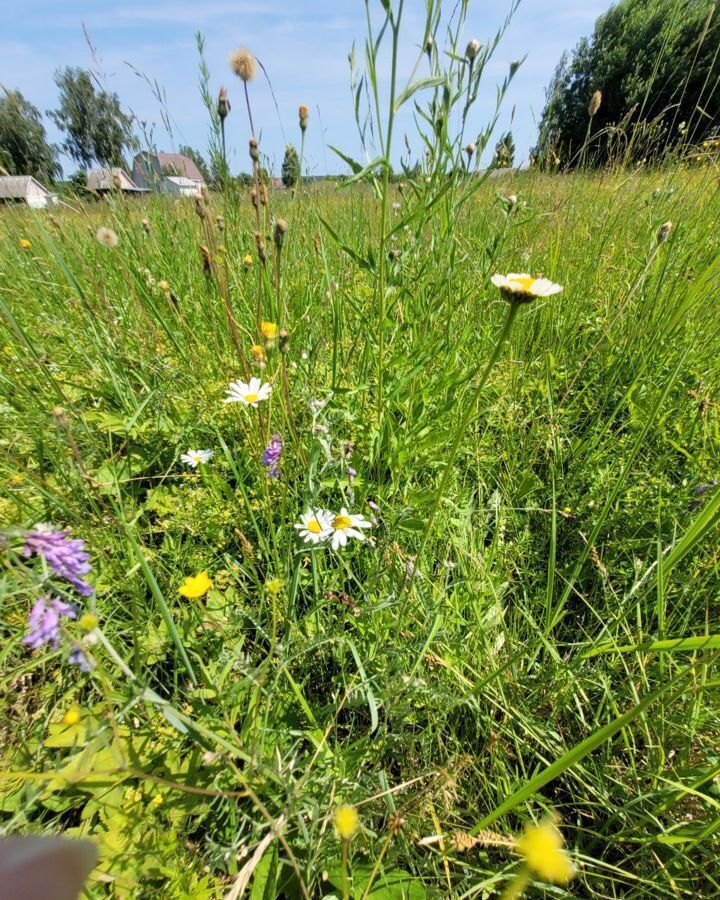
[272, 454]
[65, 555]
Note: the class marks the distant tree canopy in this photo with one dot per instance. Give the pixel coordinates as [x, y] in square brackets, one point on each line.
[291, 167]
[654, 61]
[98, 131]
[199, 161]
[505, 151]
[24, 149]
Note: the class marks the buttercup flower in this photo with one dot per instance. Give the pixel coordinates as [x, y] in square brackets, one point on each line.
[195, 586]
[524, 288]
[44, 622]
[65, 555]
[247, 261]
[72, 716]
[347, 821]
[250, 393]
[272, 454]
[542, 848]
[314, 526]
[25, 243]
[345, 526]
[193, 458]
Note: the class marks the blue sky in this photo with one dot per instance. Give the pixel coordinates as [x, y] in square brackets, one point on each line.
[304, 46]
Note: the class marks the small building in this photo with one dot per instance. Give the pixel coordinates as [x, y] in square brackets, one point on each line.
[170, 172]
[102, 181]
[25, 189]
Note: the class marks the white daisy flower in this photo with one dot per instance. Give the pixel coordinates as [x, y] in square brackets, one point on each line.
[194, 457]
[250, 393]
[524, 287]
[314, 526]
[344, 526]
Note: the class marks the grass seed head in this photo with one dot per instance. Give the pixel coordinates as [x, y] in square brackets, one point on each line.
[594, 104]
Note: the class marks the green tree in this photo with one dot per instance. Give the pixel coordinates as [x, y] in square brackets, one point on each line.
[24, 148]
[654, 61]
[290, 167]
[505, 151]
[199, 161]
[96, 128]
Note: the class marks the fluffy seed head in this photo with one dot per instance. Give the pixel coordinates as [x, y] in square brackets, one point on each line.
[107, 237]
[594, 104]
[470, 149]
[243, 63]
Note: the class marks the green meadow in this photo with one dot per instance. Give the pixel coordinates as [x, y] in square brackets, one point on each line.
[502, 675]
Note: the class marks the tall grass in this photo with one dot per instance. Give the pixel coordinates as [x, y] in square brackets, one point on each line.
[531, 628]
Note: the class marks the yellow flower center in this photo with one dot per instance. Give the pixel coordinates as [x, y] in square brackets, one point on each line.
[340, 523]
[525, 284]
[314, 526]
[250, 398]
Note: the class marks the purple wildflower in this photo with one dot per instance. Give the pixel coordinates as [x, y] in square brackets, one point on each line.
[272, 454]
[65, 555]
[77, 658]
[351, 474]
[44, 622]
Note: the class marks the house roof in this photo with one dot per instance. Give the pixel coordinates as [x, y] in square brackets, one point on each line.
[107, 179]
[182, 164]
[182, 181]
[16, 186]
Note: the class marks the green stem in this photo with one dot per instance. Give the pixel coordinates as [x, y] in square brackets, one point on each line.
[458, 436]
[345, 879]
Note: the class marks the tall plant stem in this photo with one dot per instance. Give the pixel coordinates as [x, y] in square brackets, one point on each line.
[457, 438]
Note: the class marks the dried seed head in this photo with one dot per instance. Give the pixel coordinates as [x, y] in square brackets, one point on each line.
[243, 64]
[223, 104]
[279, 233]
[220, 222]
[206, 260]
[284, 341]
[260, 246]
[254, 150]
[61, 419]
[303, 116]
[594, 104]
[146, 225]
[663, 233]
[511, 200]
[107, 237]
[254, 198]
[472, 49]
[200, 207]
[470, 149]
[429, 44]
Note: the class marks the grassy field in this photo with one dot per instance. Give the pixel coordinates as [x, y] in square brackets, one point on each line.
[526, 636]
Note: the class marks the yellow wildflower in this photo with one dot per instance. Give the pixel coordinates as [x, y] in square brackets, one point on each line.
[72, 716]
[88, 622]
[269, 330]
[258, 352]
[25, 243]
[156, 800]
[164, 286]
[247, 261]
[195, 586]
[274, 585]
[542, 847]
[346, 821]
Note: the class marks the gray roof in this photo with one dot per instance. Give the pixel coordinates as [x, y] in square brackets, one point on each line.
[110, 179]
[14, 187]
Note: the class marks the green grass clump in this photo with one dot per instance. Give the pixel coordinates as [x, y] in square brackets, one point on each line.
[530, 628]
